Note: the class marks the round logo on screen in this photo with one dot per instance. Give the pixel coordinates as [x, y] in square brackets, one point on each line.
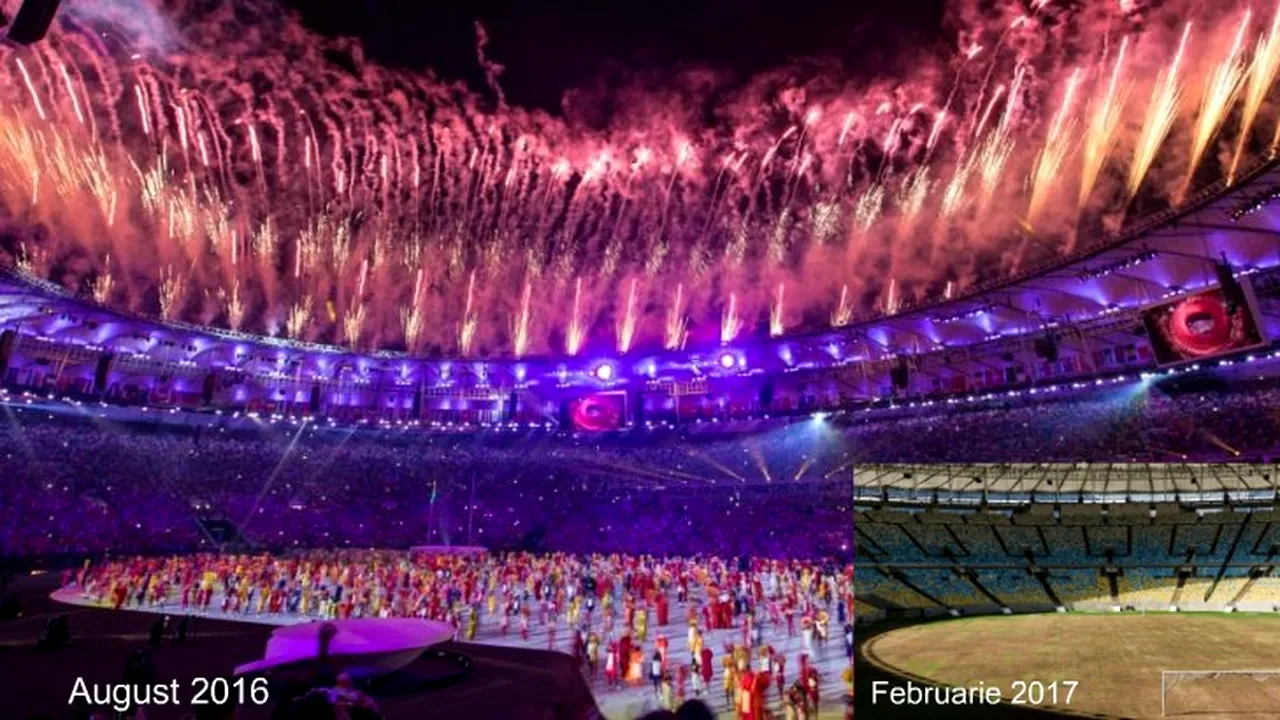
[1200, 326]
[597, 412]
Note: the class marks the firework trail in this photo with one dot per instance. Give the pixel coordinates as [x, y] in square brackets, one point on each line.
[520, 333]
[843, 313]
[731, 323]
[1058, 143]
[103, 283]
[628, 321]
[1261, 78]
[1161, 112]
[299, 317]
[777, 312]
[676, 330]
[470, 319]
[576, 334]
[1221, 87]
[1100, 133]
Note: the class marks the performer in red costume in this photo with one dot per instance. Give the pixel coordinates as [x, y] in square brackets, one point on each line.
[780, 673]
[612, 666]
[746, 697]
[811, 684]
[759, 686]
[705, 667]
[624, 653]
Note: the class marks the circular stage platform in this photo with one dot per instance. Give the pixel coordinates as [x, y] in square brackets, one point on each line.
[361, 648]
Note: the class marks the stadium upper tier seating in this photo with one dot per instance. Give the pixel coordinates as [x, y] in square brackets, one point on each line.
[74, 485]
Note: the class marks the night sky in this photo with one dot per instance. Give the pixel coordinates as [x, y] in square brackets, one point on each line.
[548, 48]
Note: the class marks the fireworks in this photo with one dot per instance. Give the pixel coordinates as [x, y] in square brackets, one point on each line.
[1220, 89]
[520, 332]
[233, 302]
[353, 324]
[777, 310]
[676, 330]
[628, 321]
[843, 313]
[299, 317]
[172, 289]
[411, 323]
[268, 200]
[1100, 133]
[1161, 111]
[1261, 78]
[1058, 142]
[731, 322]
[470, 320]
[576, 334]
[103, 283]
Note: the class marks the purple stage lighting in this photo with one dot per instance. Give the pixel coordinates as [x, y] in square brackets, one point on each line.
[728, 360]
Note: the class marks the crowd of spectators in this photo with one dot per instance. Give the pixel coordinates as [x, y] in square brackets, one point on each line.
[79, 484]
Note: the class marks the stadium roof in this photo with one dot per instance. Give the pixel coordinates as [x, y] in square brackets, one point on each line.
[1062, 481]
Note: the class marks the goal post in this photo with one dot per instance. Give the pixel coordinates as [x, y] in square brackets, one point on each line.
[1171, 678]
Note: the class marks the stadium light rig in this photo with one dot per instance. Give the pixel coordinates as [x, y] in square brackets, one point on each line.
[604, 372]
[1254, 203]
[1109, 268]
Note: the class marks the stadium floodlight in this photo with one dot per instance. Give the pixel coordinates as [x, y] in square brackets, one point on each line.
[604, 372]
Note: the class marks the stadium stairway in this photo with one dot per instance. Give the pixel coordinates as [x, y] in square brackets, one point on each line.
[223, 534]
[1177, 590]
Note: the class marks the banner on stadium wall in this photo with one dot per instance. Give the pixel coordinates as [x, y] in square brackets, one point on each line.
[1201, 326]
[599, 412]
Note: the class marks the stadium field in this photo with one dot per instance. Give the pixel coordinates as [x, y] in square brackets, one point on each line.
[1116, 659]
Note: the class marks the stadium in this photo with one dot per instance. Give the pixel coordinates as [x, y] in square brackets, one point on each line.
[582, 363]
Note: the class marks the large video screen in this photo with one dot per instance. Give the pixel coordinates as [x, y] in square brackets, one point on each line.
[1201, 326]
[599, 412]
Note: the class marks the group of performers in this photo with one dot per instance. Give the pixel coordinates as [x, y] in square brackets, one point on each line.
[615, 609]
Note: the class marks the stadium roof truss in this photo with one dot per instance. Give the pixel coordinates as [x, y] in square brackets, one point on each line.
[1065, 482]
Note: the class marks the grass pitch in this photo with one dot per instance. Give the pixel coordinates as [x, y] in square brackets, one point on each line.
[1115, 658]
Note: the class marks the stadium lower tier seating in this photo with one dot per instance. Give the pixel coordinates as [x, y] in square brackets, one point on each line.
[970, 560]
